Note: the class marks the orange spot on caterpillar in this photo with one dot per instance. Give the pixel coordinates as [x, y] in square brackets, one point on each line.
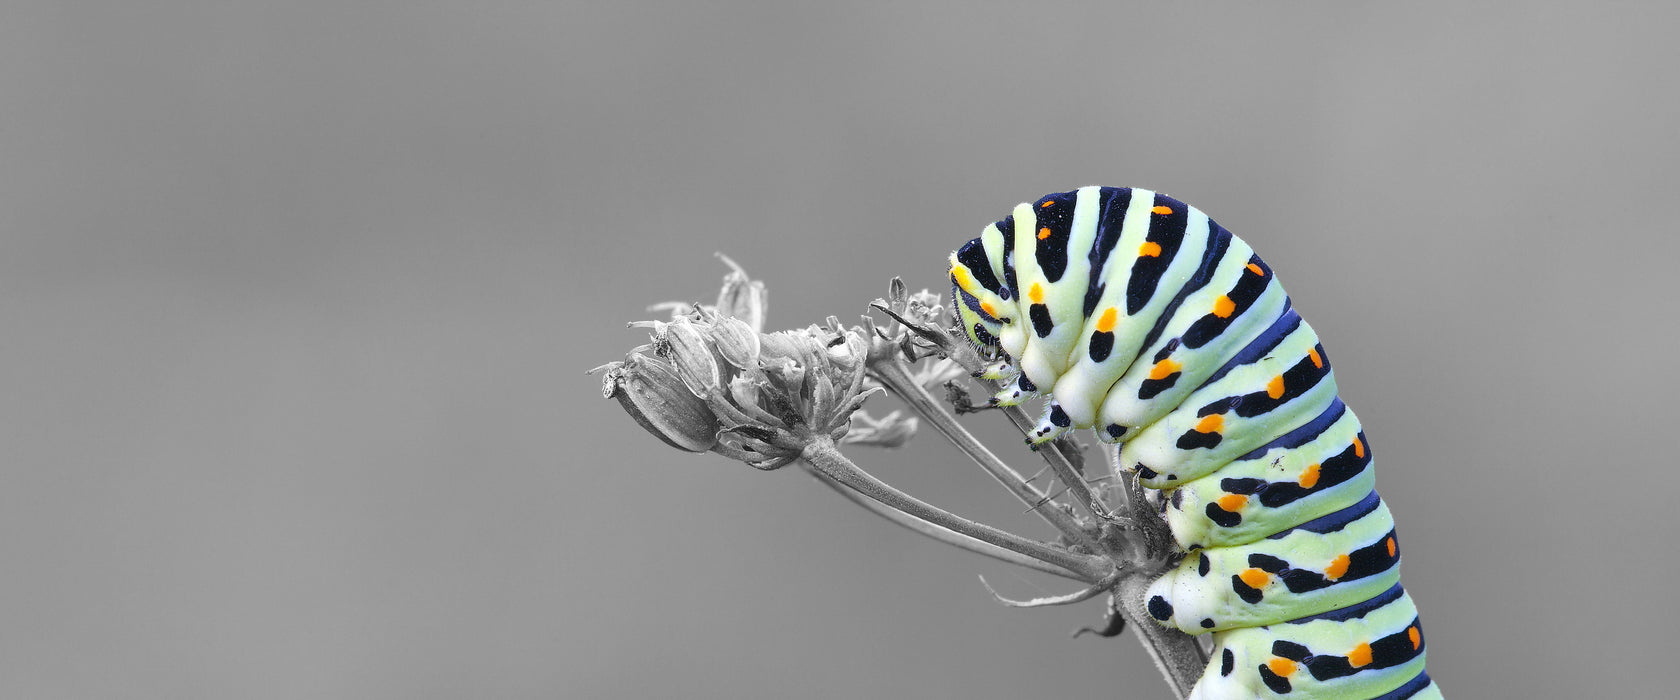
[1149, 249]
[960, 275]
[1391, 546]
[1417, 639]
[1274, 388]
[1036, 294]
[990, 310]
[1255, 578]
[1309, 477]
[1046, 205]
[1281, 666]
[1360, 656]
[1223, 307]
[1337, 567]
[1106, 323]
[1232, 502]
[1317, 361]
[1162, 210]
[1164, 368]
[1358, 447]
[1211, 424]
[1044, 233]
[1256, 269]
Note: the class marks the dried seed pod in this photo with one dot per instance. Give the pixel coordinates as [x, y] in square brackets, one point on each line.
[650, 391]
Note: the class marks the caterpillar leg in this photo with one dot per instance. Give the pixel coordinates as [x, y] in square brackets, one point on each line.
[1113, 433]
[1054, 423]
[1017, 391]
[999, 371]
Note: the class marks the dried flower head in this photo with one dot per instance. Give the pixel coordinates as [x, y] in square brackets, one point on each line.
[711, 380]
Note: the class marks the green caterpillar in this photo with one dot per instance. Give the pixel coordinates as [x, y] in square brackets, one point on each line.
[1142, 318]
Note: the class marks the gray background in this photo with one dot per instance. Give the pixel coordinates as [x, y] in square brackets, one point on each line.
[298, 299]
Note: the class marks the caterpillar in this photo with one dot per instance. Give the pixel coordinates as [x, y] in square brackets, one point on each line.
[1143, 319]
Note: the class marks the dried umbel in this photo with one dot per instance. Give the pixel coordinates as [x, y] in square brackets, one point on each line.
[712, 381]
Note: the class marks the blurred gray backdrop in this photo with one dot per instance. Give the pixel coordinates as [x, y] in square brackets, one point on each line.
[298, 300]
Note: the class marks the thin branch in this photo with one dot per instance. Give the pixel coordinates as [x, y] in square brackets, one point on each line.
[970, 361]
[936, 532]
[822, 455]
[1150, 549]
[895, 374]
[1078, 596]
[1178, 656]
[1059, 463]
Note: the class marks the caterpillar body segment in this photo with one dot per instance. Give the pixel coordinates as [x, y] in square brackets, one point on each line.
[1327, 564]
[1145, 320]
[1273, 488]
[1281, 388]
[1193, 347]
[1373, 650]
[1125, 310]
[1053, 285]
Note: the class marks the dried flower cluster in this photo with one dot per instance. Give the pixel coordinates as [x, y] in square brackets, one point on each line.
[712, 380]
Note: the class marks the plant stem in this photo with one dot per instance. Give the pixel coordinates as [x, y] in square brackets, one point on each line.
[939, 533]
[1059, 463]
[895, 374]
[821, 453]
[1178, 655]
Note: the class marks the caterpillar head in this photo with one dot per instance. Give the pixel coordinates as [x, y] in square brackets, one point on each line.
[980, 311]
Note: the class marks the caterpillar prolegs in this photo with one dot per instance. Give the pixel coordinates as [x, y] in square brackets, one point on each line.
[1142, 318]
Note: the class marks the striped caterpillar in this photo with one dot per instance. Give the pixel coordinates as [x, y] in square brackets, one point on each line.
[1142, 318]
